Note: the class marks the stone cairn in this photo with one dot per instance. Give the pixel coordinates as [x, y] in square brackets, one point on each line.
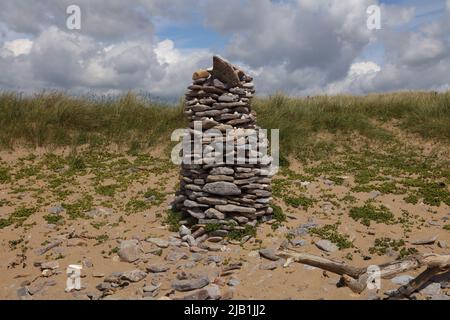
[226, 196]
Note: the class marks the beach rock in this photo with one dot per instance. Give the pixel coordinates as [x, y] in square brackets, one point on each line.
[161, 243]
[214, 214]
[424, 241]
[134, 275]
[56, 209]
[199, 74]
[222, 171]
[154, 268]
[402, 280]
[175, 256]
[269, 266]
[184, 231]
[326, 245]
[233, 208]
[195, 282]
[222, 188]
[129, 250]
[224, 71]
[269, 254]
[432, 289]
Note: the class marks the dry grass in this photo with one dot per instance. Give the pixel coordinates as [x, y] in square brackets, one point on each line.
[58, 119]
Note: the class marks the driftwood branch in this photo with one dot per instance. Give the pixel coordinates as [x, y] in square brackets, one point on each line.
[356, 278]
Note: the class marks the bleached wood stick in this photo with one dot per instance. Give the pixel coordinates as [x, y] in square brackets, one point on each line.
[356, 277]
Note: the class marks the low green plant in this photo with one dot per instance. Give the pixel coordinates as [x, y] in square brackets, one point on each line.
[369, 213]
[173, 219]
[238, 234]
[330, 232]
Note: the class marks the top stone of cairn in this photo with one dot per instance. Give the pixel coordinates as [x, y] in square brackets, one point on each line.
[223, 71]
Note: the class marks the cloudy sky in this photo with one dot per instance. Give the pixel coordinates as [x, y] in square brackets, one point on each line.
[300, 47]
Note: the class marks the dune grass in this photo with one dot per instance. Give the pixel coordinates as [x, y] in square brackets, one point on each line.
[58, 119]
[300, 120]
[61, 120]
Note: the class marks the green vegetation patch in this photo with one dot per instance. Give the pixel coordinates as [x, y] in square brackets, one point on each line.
[369, 213]
[238, 234]
[18, 217]
[53, 219]
[156, 196]
[136, 205]
[299, 201]
[330, 232]
[383, 245]
[107, 190]
[278, 215]
[79, 208]
[173, 219]
[4, 175]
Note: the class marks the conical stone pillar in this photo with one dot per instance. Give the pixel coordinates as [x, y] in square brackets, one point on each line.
[225, 181]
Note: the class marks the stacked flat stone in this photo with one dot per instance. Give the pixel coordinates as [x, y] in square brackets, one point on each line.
[230, 196]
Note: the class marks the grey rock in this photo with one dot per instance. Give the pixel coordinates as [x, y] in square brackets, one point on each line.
[222, 188]
[213, 291]
[195, 282]
[134, 275]
[241, 220]
[432, 289]
[219, 178]
[425, 241]
[196, 257]
[104, 286]
[227, 97]
[52, 265]
[233, 282]
[189, 265]
[175, 256]
[129, 250]
[193, 204]
[190, 240]
[215, 259]
[198, 214]
[326, 245]
[174, 242]
[23, 294]
[161, 243]
[298, 232]
[298, 242]
[154, 268]
[215, 239]
[221, 171]
[374, 194]
[233, 208]
[56, 209]
[269, 266]
[402, 280]
[211, 200]
[214, 214]
[218, 84]
[150, 288]
[184, 231]
[269, 254]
